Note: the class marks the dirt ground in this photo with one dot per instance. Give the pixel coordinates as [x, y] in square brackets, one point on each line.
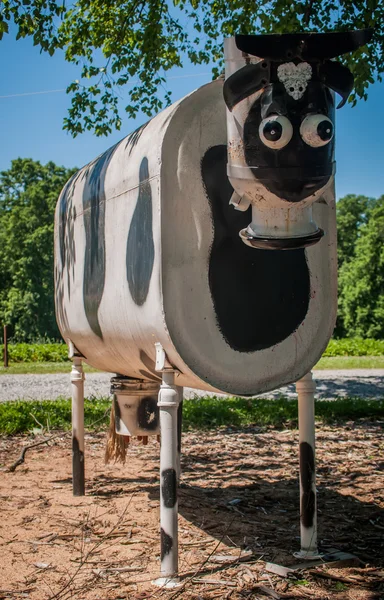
[239, 493]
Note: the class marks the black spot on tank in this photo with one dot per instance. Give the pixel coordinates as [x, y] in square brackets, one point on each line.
[117, 414]
[148, 414]
[77, 468]
[179, 425]
[260, 296]
[166, 543]
[169, 487]
[140, 246]
[149, 364]
[67, 249]
[133, 138]
[94, 225]
[307, 469]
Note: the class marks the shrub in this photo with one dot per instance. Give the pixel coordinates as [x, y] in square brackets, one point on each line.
[36, 352]
[355, 347]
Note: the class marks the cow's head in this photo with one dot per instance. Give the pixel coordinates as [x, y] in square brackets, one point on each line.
[279, 92]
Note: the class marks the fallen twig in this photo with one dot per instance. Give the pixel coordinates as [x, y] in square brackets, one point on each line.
[215, 582]
[21, 458]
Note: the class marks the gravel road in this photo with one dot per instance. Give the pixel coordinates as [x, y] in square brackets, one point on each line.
[366, 383]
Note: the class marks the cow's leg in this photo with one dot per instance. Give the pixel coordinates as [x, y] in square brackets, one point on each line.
[306, 388]
[169, 400]
[77, 385]
[179, 429]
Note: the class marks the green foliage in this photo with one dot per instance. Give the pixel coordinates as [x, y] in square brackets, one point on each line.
[19, 353]
[355, 347]
[352, 212]
[28, 196]
[361, 287]
[25, 416]
[208, 413]
[53, 357]
[136, 42]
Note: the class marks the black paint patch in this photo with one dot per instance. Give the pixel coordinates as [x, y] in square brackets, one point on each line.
[148, 414]
[77, 468]
[140, 246]
[94, 226]
[133, 138]
[149, 364]
[179, 425]
[307, 469]
[65, 272]
[117, 414]
[260, 296]
[169, 487]
[166, 543]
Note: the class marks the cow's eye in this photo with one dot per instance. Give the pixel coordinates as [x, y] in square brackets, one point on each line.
[275, 131]
[316, 130]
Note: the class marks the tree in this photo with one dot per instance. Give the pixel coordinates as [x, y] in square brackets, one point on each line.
[137, 41]
[28, 195]
[352, 212]
[362, 280]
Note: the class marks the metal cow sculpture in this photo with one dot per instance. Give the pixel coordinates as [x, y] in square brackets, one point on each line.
[160, 280]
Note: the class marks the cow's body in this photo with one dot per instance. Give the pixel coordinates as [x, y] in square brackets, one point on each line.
[148, 250]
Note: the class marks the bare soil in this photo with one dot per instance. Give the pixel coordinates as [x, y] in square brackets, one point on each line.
[239, 492]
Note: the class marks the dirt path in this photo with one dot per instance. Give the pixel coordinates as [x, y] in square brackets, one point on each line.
[366, 383]
[239, 491]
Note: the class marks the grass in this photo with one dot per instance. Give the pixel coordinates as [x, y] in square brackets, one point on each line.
[350, 362]
[38, 368]
[332, 362]
[203, 413]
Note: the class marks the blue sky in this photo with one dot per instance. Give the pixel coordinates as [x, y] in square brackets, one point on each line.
[31, 125]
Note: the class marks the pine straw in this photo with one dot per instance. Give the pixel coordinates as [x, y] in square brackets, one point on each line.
[115, 446]
[239, 492]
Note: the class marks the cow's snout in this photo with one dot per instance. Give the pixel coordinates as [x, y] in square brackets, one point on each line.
[296, 190]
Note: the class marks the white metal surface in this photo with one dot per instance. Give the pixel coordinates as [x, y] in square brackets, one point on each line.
[178, 310]
[168, 404]
[77, 387]
[306, 389]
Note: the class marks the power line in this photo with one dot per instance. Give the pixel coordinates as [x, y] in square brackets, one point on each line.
[130, 82]
[32, 93]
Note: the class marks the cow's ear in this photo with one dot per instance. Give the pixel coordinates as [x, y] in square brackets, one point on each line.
[338, 78]
[246, 81]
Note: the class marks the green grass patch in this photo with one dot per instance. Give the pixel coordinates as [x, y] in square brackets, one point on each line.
[39, 368]
[350, 362]
[23, 416]
[211, 412]
[201, 413]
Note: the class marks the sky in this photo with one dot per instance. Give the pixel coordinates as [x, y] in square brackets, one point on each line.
[31, 124]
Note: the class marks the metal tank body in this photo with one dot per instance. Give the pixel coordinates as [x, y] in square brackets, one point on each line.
[147, 250]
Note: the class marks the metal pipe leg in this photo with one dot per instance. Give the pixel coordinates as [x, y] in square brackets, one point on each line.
[77, 385]
[179, 429]
[306, 388]
[169, 398]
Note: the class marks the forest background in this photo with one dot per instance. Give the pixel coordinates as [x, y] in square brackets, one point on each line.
[28, 196]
